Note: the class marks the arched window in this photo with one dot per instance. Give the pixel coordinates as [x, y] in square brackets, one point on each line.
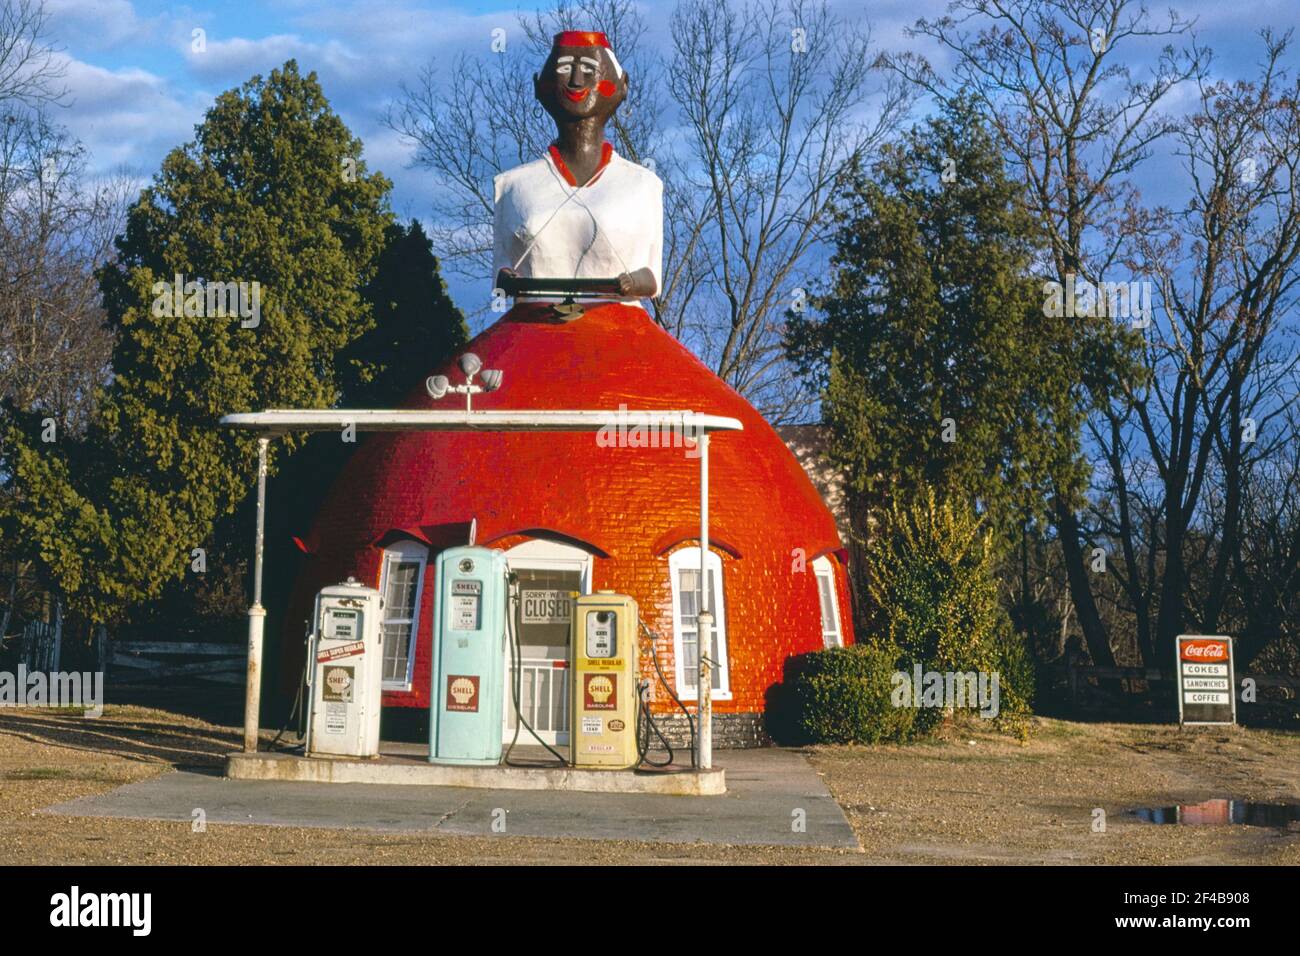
[832, 633]
[401, 582]
[684, 568]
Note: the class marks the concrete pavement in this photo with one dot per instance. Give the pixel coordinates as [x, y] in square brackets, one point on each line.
[774, 797]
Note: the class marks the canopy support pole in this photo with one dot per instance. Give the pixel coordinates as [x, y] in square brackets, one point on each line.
[256, 613]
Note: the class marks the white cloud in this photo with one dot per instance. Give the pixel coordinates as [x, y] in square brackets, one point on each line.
[104, 25]
[128, 117]
[232, 61]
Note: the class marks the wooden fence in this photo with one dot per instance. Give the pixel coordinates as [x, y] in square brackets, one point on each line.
[1078, 676]
[40, 648]
[158, 661]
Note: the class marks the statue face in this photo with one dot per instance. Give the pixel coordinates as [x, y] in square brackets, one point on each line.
[578, 82]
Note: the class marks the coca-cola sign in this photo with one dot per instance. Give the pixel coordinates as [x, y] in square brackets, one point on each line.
[1207, 692]
[1204, 649]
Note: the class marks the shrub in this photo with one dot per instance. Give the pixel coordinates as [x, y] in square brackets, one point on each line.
[842, 695]
[934, 594]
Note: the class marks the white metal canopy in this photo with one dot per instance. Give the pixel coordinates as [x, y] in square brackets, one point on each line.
[282, 421]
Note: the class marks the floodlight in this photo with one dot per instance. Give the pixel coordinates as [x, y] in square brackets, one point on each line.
[491, 379]
[437, 385]
[470, 364]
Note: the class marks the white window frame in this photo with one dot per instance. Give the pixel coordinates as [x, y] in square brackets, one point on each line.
[403, 552]
[823, 568]
[688, 559]
[543, 554]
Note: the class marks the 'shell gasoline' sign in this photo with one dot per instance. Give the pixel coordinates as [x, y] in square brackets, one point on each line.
[1206, 681]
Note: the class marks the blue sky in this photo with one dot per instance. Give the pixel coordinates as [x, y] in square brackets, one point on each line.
[137, 88]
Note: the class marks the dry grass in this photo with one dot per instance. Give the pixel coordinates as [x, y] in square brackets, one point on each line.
[969, 797]
[977, 797]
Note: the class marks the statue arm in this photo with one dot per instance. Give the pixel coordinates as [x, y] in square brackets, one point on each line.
[501, 234]
[645, 283]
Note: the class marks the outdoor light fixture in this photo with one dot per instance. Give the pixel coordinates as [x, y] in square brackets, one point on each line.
[470, 364]
[439, 385]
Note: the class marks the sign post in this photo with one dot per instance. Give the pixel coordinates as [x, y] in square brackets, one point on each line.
[1206, 680]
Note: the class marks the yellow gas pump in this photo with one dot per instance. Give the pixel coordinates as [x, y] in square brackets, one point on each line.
[604, 647]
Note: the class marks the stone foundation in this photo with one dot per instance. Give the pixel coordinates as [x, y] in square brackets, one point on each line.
[730, 731]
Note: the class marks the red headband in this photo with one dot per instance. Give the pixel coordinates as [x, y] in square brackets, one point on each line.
[581, 38]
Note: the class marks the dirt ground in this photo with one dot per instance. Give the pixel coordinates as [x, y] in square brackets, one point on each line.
[970, 797]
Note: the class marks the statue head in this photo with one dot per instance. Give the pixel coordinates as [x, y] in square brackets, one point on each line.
[581, 79]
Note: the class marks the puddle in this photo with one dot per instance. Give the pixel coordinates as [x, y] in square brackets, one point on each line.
[1223, 813]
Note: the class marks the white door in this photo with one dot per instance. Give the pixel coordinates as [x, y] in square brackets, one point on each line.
[548, 573]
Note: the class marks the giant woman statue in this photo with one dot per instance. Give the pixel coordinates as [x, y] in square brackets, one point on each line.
[570, 511]
[581, 211]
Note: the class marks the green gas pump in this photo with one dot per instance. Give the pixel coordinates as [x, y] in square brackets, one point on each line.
[468, 691]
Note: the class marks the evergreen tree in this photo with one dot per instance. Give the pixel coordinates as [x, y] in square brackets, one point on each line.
[939, 368]
[416, 324]
[273, 225]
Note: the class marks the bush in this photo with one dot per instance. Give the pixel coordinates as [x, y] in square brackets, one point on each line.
[841, 695]
[934, 594]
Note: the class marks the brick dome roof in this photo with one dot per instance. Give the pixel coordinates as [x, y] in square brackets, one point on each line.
[628, 506]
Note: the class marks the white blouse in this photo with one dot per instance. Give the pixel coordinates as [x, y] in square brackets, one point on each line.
[544, 227]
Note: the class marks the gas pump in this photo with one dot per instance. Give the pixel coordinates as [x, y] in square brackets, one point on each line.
[345, 671]
[467, 698]
[605, 685]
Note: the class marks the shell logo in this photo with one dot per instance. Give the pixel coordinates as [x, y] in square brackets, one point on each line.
[600, 689]
[338, 679]
[462, 690]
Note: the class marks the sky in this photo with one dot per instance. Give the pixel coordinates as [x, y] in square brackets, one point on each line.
[138, 86]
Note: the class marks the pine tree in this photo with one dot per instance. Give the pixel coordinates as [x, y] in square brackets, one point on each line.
[273, 197]
[939, 368]
[416, 324]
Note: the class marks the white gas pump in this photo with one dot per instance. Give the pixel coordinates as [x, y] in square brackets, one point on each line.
[345, 672]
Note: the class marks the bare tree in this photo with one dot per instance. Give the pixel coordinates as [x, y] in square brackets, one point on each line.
[776, 96]
[30, 72]
[752, 120]
[1265, 598]
[1056, 81]
[56, 229]
[1222, 365]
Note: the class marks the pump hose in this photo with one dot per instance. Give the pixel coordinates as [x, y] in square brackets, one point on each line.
[690, 722]
[643, 736]
[295, 709]
[516, 656]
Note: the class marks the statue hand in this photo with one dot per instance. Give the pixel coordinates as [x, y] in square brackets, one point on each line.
[640, 284]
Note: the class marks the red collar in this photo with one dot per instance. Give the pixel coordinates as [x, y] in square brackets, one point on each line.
[606, 152]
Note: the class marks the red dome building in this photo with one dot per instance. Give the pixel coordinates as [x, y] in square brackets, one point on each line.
[573, 514]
